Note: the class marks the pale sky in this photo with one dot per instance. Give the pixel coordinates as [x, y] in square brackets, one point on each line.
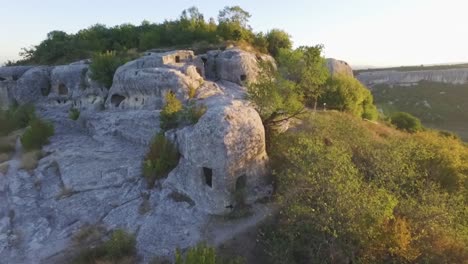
[362, 32]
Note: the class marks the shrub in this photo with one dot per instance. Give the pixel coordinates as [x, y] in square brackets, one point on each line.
[37, 134]
[347, 94]
[104, 65]
[15, 118]
[170, 113]
[120, 248]
[192, 113]
[192, 92]
[174, 114]
[161, 158]
[74, 114]
[120, 244]
[203, 254]
[406, 122]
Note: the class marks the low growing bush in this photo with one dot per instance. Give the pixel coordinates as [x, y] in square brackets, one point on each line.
[171, 112]
[104, 65]
[74, 114]
[161, 158]
[203, 254]
[37, 134]
[120, 248]
[406, 122]
[16, 118]
[174, 114]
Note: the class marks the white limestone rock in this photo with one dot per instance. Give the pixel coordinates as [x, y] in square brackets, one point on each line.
[224, 150]
[143, 83]
[33, 86]
[339, 67]
[234, 65]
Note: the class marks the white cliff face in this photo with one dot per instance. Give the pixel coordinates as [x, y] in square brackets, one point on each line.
[393, 77]
[91, 171]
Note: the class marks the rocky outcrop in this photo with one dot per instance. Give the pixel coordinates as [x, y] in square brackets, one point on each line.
[13, 73]
[339, 67]
[32, 87]
[142, 84]
[222, 154]
[408, 78]
[90, 174]
[234, 65]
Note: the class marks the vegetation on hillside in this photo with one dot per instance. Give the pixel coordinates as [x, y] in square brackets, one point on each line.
[406, 122]
[416, 68]
[354, 191]
[119, 249]
[438, 105]
[202, 254]
[191, 29]
[302, 80]
[347, 94]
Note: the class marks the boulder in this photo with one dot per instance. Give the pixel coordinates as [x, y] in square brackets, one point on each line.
[72, 84]
[222, 154]
[13, 72]
[143, 83]
[33, 86]
[234, 65]
[339, 67]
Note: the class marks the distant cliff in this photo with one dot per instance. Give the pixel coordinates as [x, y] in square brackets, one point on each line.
[403, 78]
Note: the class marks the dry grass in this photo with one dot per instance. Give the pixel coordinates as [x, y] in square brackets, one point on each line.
[7, 146]
[29, 160]
[4, 168]
[89, 234]
[65, 193]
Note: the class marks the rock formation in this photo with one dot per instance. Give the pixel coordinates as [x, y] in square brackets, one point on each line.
[339, 67]
[408, 78]
[90, 174]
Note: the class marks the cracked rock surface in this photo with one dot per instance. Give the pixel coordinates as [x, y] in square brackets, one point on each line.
[90, 172]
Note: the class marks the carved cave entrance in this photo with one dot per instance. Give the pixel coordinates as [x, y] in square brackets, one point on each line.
[208, 176]
[62, 89]
[117, 99]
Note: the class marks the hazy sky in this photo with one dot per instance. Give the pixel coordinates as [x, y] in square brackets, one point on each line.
[362, 32]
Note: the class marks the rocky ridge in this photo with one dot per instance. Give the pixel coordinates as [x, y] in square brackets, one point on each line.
[408, 78]
[90, 174]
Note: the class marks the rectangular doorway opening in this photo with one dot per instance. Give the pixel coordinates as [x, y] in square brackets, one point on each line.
[208, 175]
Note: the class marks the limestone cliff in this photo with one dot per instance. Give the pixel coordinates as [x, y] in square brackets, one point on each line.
[402, 78]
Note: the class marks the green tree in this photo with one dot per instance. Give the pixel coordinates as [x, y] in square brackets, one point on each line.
[233, 24]
[275, 98]
[103, 67]
[278, 39]
[307, 68]
[346, 93]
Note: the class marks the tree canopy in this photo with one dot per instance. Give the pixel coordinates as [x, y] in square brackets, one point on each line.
[191, 29]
